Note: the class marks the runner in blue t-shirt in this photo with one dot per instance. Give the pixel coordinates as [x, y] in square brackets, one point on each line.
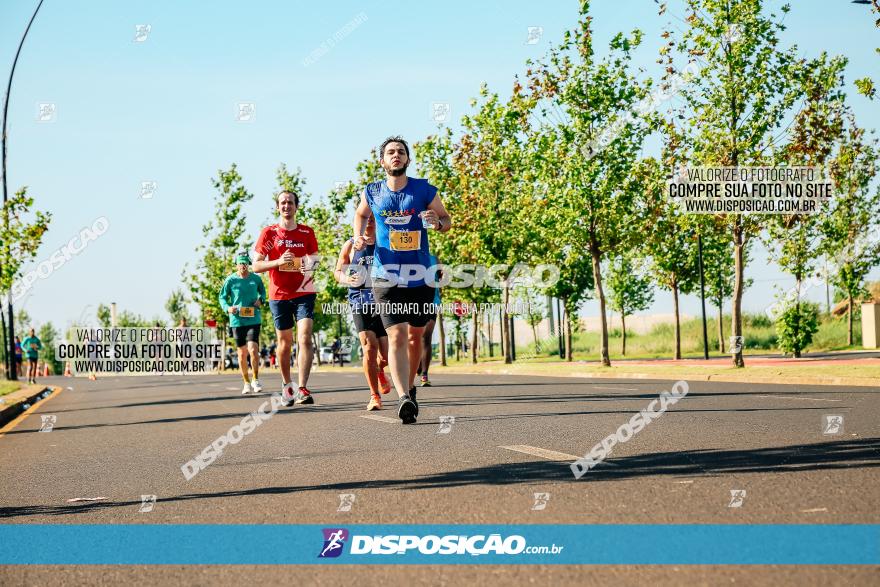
[404, 208]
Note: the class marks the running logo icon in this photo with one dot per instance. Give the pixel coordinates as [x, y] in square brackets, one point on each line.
[141, 32]
[446, 423]
[736, 344]
[334, 540]
[541, 500]
[147, 504]
[346, 500]
[737, 497]
[48, 422]
[832, 424]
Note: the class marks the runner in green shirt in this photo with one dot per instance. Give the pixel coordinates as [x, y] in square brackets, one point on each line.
[242, 295]
[32, 347]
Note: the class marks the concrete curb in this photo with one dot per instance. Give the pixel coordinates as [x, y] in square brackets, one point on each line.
[797, 380]
[18, 402]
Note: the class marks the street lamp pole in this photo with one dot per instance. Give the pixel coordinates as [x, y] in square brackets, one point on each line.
[11, 371]
[703, 296]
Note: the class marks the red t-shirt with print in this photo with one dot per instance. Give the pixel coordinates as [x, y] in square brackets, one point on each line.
[288, 282]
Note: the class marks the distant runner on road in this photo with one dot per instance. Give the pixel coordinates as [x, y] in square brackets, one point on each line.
[32, 347]
[242, 296]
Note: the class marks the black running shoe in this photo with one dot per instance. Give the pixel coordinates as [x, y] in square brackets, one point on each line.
[412, 396]
[406, 410]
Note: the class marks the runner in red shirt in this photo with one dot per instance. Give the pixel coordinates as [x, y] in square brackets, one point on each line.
[287, 250]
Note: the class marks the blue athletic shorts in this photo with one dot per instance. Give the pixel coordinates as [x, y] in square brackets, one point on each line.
[286, 313]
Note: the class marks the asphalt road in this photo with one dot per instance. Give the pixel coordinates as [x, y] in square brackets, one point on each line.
[512, 436]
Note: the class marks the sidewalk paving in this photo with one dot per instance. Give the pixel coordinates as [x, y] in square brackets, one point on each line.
[845, 370]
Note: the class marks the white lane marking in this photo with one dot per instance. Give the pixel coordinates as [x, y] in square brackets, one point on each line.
[686, 481]
[814, 510]
[380, 418]
[809, 399]
[550, 455]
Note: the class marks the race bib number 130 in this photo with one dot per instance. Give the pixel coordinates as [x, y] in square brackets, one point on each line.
[405, 240]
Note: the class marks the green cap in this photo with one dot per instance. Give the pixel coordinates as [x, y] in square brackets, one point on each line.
[242, 257]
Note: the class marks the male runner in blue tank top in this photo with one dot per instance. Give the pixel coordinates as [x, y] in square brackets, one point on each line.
[403, 208]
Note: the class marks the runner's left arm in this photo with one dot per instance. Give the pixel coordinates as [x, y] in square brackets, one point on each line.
[342, 263]
[443, 219]
[311, 258]
[261, 290]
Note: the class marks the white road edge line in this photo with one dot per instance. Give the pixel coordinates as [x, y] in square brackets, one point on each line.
[379, 418]
[808, 399]
[550, 455]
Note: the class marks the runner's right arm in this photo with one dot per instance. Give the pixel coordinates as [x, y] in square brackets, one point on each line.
[223, 297]
[360, 220]
[261, 250]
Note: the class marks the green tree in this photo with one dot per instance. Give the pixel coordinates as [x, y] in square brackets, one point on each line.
[796, 326]
[586, 121]
[48, 336]
[224, 234]
[629, 290]
[103, 315]
[21, 237]
[670, 241]
[734, 110]
[23, 322]
[795, 240]
[175, 305]
[486, 173]
[865, 85]
[718, 268]
[852, 225]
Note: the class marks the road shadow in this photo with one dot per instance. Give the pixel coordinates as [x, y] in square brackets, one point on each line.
[836, 455]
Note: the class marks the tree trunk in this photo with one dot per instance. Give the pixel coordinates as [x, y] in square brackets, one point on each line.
[623, 333]
[736, 301]
[508, 355]
[512, 331]
[489, 330]
[535, 338]
[502, 332]
[315, 346]
[600, 295]
[797, 322]
[849, 318]
[568, 344]
[474, 336]
[721, 326]
[442, 339]
[677, 353]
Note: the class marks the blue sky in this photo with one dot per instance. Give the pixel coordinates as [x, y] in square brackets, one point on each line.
[163, 110]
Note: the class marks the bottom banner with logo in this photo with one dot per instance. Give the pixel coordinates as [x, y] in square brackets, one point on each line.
[854, 544]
